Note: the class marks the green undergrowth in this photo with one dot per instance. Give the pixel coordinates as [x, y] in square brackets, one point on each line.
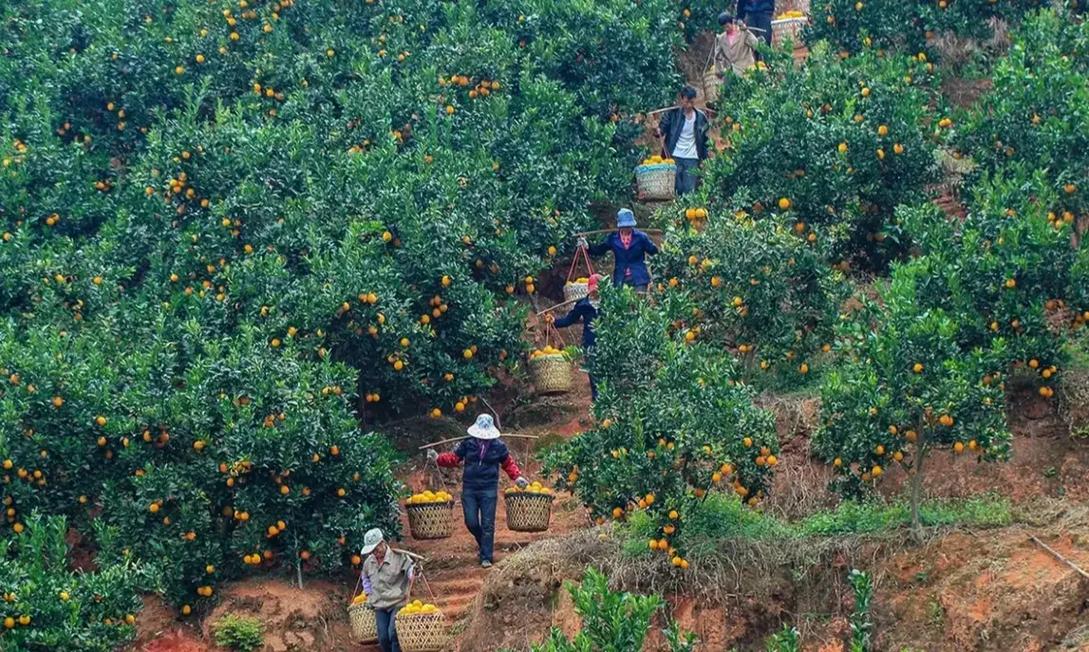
[724, 517]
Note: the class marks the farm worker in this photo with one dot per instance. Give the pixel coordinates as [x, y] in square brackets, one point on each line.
[757, 13]
[734, 47]
[387, 581]
[585, 310]
[483, 452]
[630, 247]
[683, 130]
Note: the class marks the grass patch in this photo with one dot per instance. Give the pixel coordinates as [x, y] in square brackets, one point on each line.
[724, 517]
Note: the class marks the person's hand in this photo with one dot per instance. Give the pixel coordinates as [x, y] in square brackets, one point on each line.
[522, 482]
[432, 455]
[550, 318]
[581, 243]
[742, 26]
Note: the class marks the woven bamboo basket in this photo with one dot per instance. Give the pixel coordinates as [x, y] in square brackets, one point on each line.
[551, 374]
[656, 181]
[431, 520]
[784, 28]
[573, 291]
[364, 623]
[528, 512]
[712, 86]
[422, 632]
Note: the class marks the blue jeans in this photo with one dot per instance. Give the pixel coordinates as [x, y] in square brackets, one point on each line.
[760, 20]
[387, 629]
[478, 506]
[686, 175]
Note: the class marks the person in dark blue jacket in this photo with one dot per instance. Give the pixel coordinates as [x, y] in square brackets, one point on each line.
[630, 247]
[585, 310]
[757, 13]
[482, 453]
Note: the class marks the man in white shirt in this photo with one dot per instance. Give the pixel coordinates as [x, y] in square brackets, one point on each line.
[683, 131]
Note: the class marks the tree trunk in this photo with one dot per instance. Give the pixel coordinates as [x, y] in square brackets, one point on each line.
[917, 490]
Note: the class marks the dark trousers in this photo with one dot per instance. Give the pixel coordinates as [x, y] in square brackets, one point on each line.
[686, 175]
[478, 506]
[387, 629]
[760, 20]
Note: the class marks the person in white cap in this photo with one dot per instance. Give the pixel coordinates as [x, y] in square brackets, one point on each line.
[387, 580]
[483, 452]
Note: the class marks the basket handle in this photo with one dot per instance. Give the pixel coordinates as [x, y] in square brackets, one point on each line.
[583, 254]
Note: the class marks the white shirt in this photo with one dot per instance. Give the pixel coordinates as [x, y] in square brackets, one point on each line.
[686, 144]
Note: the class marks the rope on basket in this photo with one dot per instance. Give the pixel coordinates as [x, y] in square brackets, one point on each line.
[585, 256]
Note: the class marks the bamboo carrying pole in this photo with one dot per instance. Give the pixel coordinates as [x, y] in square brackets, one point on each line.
[453, 439]
[1064, 560]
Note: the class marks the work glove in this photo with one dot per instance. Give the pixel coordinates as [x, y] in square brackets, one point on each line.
[522, 482]
[432, 455]
[581, 243]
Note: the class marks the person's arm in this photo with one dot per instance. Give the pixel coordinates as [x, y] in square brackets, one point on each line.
[452, 459]
[648, 244]
[751, 40]
[510, 467]
[717, 56]
[599, 248]
[570, 318]
[367, 588]
[740, 13]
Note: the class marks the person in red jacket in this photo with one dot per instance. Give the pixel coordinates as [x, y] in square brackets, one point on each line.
[482, 453]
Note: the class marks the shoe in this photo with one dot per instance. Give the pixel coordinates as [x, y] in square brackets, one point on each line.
[485, 564]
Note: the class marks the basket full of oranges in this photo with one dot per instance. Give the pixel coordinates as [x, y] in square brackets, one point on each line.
[550, 370]
[529, 509]
[430, 515]
[364, 623]
[655, 178]
[421, 627]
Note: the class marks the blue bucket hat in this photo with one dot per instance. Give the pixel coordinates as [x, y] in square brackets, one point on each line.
[625, 219]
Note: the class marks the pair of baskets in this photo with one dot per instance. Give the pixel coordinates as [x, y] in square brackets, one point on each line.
[417, 633]
[526, 512]
[656, 180]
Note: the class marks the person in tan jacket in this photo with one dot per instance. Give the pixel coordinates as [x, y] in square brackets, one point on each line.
[735, 47]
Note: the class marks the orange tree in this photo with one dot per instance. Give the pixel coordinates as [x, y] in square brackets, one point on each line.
[836, 144]
[674, 424]
[1033, 118]
[984, 302]
[760, 288]
[46, 606]
[905, 389]
[855, 25]
[228, 232]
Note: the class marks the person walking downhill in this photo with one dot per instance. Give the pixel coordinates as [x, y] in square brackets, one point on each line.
[735, 47]
[683, 131]
[630, 248]
[482, 453]
[387, 578]
[757, 14]
[586, 311]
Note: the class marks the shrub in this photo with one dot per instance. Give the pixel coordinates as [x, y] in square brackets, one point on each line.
[612, 620]
[855, 25]
[675, 425]
[48, 606]
[829, 150]
[240, 633]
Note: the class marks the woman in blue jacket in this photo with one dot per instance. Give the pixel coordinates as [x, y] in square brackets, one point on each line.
[630, 247]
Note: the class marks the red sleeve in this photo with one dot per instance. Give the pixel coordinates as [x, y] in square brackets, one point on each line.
[510, 467]
[449, 460]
